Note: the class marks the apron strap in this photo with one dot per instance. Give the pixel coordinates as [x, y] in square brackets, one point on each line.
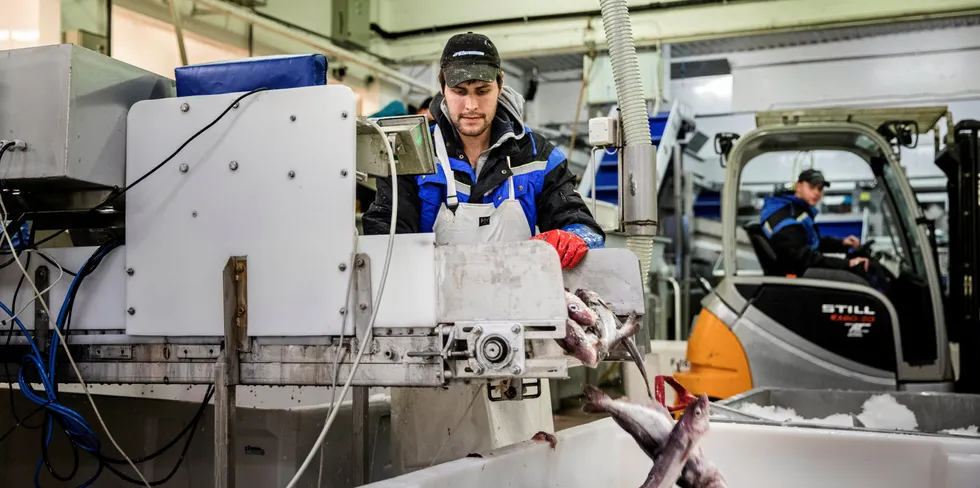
[510, 181]
[452, 200]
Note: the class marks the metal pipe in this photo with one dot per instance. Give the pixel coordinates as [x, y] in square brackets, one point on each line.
[179, 31]
[312, 41]
[677, 307]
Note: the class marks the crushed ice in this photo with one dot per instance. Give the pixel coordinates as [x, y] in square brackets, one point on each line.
[878, 412]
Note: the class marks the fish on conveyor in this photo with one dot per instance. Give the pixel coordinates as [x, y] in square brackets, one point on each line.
[578, 343]
[650, 425]
[611, 331]
[543, 436]
[682, 443]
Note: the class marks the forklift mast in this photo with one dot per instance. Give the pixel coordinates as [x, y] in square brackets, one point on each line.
[960, 160]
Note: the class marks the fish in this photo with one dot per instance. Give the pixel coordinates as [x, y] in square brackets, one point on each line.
[578, 343]
[650, 426]
[682, 443]
[612, 331]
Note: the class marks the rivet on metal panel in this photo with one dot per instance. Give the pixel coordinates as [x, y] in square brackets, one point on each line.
[292, 174]
[233, 165]
[342, 266]
[184, 107]
[131, 311]
[194, 213]
[236, 105]
[343, 173]
[362, 306]
[343, 114]
[292, 118]
[130, 271]
[343, 311]
[183, 167]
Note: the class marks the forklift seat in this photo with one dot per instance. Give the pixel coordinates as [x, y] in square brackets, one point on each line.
[760, 243]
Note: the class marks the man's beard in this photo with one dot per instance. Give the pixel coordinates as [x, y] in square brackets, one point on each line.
[468, 131]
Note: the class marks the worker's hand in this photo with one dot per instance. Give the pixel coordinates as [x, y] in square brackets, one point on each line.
[571, 248]
[859, 262]
[852, 241]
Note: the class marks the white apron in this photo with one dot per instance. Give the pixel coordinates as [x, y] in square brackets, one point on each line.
[477, 223]
[423, 417]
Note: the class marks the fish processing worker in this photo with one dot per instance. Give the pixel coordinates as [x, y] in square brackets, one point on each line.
[496, 181]
[787, 221]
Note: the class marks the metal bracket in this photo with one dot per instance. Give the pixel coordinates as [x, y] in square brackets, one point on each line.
[363, 297]
[496, 350]
[508, 390]
[112, 352]
[41, 319]
[227, 369]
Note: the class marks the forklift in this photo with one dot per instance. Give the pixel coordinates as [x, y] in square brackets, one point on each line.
[830, 329]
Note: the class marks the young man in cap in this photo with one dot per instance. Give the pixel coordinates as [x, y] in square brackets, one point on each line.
[496, 180]
[787, 220]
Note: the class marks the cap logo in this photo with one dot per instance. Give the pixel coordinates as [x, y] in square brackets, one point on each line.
[469, 53]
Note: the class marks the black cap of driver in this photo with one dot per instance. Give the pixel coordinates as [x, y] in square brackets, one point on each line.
[814, 178]
[469, 57]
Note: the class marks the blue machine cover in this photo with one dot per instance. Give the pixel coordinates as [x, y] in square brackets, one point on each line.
[242, 75]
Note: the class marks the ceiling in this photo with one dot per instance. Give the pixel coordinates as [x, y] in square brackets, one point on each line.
[564, 62]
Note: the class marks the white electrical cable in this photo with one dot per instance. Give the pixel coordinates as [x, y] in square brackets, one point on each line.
[374, 313]
[64, 344]
[337, 351]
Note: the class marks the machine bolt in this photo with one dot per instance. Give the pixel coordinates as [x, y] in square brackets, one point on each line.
[343, 114]
[478, 369]
[477, 330]
[362, 306]
[516, 369]
[184, 167]
[194, 213]
[131, 311]
[236, 105]
[292, 118]
[342, 266]
[359, 262]
[343, 311]
[389, 354]
[184, 107]
[343, 173]
[292, 174]
[130, 271]
[516, 328]
[241, 311]
[233, 165]
[239, 268]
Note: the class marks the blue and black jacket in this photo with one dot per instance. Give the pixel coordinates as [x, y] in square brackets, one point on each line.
[543, 184]
[788, 223]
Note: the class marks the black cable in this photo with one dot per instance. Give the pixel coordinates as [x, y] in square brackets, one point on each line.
[172, 155]
[74, 451]
[55, 264]
[191, 427]
[6, 367]
[11, 430]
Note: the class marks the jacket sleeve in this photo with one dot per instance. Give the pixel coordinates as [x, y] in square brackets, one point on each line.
[377, 218]
[561, 207]
[833, 245]
[791, 249]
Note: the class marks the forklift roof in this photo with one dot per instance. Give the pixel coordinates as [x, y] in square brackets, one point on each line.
[925, 117]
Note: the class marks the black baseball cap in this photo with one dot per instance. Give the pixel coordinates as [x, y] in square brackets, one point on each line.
[814, 178]
[469, 57]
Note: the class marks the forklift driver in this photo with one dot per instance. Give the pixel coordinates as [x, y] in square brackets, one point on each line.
[787, 221]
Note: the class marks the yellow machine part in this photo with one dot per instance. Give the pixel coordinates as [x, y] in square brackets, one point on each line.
[719, 367]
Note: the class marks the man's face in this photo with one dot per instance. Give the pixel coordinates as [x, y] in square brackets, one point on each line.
[809, 193]
[472, 106]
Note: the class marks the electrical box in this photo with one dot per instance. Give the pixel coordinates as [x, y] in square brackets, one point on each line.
[69, 104]
[602, 131]
[351, 22]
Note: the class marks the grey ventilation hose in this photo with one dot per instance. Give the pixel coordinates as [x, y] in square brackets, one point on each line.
[626, 72]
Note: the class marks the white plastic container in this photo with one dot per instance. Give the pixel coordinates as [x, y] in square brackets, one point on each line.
[601, 454]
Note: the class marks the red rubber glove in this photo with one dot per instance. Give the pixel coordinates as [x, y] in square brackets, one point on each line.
[571, 248]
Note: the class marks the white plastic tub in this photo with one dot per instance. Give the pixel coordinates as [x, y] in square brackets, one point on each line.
[600, 454]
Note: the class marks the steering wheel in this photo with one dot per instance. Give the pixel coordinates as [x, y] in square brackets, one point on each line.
[863, 251]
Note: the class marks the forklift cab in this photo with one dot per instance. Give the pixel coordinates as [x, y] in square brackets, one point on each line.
[828, 328]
